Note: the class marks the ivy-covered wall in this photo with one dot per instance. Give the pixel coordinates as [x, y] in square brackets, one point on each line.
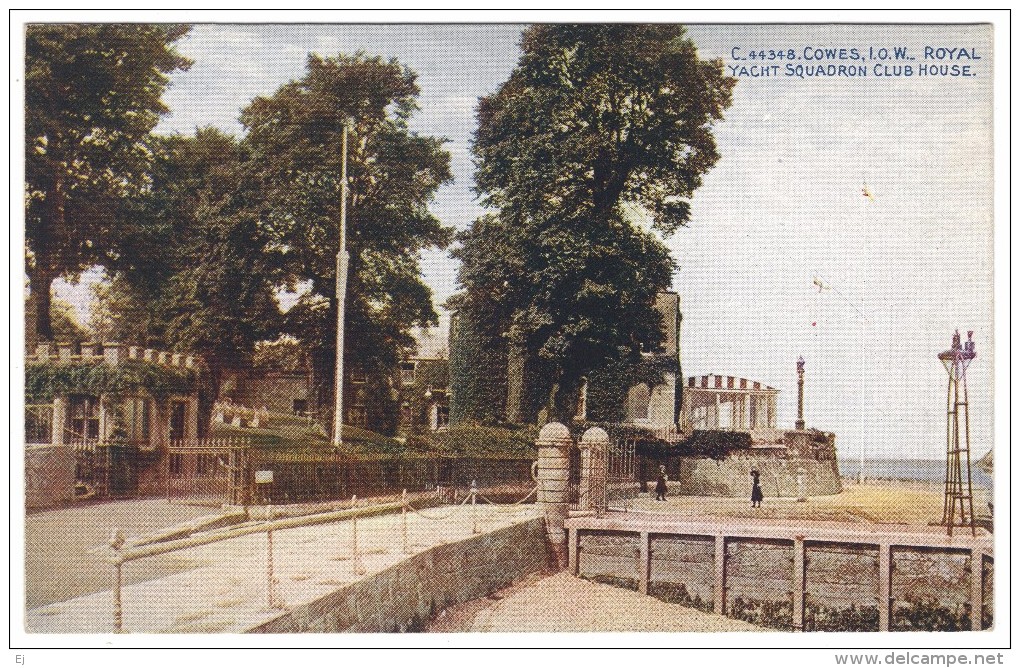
[430, 377]
[44, 380]
[478, 376]
[609, 385]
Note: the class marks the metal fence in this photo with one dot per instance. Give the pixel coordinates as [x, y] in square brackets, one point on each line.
[123, 551]
[231, 471]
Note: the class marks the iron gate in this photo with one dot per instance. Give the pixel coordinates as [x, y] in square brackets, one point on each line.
[621, 482]
[615, 480]
[211, 471]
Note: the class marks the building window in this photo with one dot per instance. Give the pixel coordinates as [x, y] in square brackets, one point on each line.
[300, 406]
[357, 416]
[178, 421]
[358, 377]
[136, 420]
[82, 420]
[581, 413]
[439, 417]
[407, 373]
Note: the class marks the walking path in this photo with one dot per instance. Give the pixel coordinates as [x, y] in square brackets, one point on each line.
[224, 586]
[221, 587]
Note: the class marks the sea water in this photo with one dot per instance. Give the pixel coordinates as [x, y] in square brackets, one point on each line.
[922, 470]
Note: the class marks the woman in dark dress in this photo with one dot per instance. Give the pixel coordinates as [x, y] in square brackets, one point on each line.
[660, 485]
[756, 494]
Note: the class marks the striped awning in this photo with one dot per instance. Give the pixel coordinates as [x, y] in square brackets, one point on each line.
[716, 382]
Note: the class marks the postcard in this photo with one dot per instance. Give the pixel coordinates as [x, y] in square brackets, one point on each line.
[670, 332]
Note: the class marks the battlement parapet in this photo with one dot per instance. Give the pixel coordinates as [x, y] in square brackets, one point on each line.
[109, 353]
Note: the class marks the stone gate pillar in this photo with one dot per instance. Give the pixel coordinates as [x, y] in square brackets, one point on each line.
[594, 470]
[553, 477]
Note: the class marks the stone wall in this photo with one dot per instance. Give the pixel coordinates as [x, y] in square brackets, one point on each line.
[404, 596]
[274, 391]
[703, 476]
[49, 476]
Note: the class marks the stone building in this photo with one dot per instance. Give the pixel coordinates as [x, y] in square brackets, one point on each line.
[93, 412]
[712, 430]
[660, 405]
[423, 385]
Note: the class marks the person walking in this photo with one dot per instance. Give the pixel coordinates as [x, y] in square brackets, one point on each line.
[756, 493]
[660, 485]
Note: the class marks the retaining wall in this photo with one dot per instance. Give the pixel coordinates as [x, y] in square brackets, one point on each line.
[703, 476]
[805, 577]
[406, 595]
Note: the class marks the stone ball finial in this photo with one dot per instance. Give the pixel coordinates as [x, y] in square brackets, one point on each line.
[594, 435]
[554, 431]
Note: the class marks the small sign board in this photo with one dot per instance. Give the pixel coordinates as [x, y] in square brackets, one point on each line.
[263, 477]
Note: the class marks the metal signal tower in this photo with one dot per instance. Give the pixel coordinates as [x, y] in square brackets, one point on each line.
[958, 488]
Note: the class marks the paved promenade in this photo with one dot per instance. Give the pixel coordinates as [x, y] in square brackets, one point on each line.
[224, 587]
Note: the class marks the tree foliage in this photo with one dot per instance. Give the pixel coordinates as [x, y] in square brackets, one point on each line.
[195, 271]
[283, 355]
[92, 96]
[597, 127]
[64, 323]
[294, 140]
[609, 384]
[598, 115]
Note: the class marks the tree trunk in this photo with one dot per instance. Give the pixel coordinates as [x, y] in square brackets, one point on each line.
[49, 227]
[562, 404]
[208, 395]
[41, 284]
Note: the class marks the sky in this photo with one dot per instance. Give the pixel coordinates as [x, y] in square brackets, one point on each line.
[784, 205]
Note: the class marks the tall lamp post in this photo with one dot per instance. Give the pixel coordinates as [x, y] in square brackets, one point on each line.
[342, 259]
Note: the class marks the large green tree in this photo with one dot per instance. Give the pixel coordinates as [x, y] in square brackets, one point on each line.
[195, 272]
[294, 140]
[598, 128]
[92, 96]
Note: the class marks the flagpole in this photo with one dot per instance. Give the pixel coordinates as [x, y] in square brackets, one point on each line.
[863, 374]
[342, 259]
